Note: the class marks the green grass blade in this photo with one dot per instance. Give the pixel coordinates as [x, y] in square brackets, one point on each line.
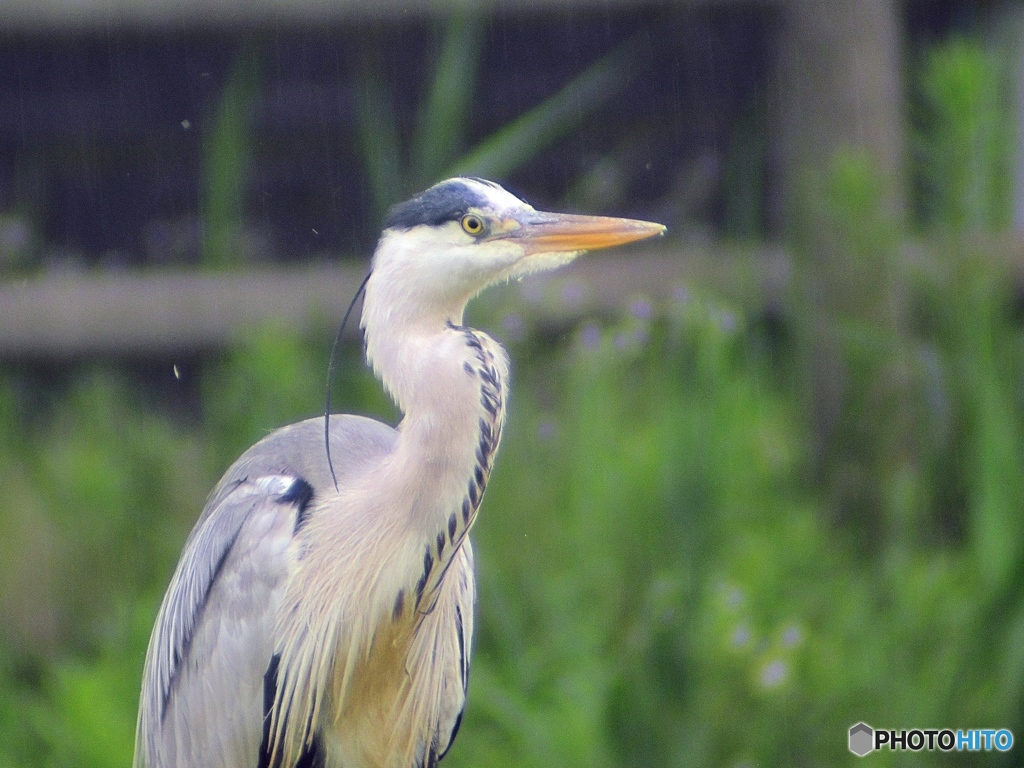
[510, 147]
[377, 134]
[226, 158]
[443, 117]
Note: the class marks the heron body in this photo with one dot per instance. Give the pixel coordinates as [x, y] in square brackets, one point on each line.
[322, 618]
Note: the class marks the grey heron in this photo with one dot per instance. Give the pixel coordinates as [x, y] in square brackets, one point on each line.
[322, 620]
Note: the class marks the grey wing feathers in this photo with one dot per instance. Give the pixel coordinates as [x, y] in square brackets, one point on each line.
[213, 630]
[202, 688]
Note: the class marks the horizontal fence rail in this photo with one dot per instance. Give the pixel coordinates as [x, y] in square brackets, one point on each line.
[82, 15]
[154, 313]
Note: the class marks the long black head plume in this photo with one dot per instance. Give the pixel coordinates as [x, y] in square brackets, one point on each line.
[330, 375]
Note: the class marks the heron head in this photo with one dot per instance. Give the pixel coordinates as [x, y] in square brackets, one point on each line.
[463, 234]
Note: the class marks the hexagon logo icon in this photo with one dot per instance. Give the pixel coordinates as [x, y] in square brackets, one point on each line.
[862, 739]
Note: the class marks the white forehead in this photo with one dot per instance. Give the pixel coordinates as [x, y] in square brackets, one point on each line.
[497, 197]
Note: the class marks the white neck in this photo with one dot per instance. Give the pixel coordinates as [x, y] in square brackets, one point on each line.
[449, 382]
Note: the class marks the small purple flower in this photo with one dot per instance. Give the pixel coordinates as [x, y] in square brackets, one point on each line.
[514, 326]
[590, 336]
[546, 429]
[641, 309]
[740, 636]
[774, 673]
[681, 294]
[727, 321]
[573, 293]
[792, 636]
[532, 291]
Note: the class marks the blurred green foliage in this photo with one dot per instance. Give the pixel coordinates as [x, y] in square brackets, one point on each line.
[964, 135]
[659, 583]
[704, 542]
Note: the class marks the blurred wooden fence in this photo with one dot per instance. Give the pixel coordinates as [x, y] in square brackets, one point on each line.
[153, 314]
[79, 15]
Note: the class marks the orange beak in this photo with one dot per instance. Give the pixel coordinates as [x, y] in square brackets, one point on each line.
[542, 232]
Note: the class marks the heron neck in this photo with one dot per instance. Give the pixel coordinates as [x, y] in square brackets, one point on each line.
[434, 369]
[449, 382]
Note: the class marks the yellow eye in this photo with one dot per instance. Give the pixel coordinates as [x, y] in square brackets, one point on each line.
[472, 224]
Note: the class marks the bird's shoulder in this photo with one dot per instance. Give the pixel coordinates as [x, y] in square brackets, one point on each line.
[358, 445]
